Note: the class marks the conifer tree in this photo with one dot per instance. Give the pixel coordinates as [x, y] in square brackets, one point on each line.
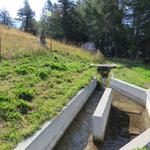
[26, 16]
[5, 18]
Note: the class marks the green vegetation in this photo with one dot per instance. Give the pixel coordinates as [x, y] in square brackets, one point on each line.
[35, 84]
[34, 89]
[142, 148]
[133, 72]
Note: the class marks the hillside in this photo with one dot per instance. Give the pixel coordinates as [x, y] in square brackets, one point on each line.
[35, 84]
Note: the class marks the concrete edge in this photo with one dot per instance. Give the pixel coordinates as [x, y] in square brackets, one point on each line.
[148, 102]
[138, 94]
[141, 141]
[51, 131]
[142, 97]
[100, 116]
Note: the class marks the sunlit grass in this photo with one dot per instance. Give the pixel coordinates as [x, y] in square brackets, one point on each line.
[133, 72]
[36, 83]
[17, 44]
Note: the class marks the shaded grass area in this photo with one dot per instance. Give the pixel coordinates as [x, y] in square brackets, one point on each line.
[35, 88]
[133, 72]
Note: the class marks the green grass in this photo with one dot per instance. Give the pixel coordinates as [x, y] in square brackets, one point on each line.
[142, 148]
[35, 83]
[34, 89]
[133, 72]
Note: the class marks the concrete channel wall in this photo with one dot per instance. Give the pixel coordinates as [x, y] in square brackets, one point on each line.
[142, 97]
[148, 102]
[47, 137]
[136, 93]
[141, 141]
[100, 116]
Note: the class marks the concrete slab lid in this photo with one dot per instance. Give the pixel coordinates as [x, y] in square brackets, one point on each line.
[108, 65]
[105, 65]
[103, 102]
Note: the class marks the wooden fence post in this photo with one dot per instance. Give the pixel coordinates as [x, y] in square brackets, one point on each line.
[50, 45]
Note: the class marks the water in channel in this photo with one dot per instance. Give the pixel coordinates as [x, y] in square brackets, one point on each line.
[126, 121]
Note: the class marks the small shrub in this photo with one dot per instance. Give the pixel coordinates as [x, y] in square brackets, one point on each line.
[43, 74]
[3, 97]
[24, 106]
[5, 110]
[21, 70]
[5, 106]
[32, 80]
[25, 94]
[75, 67]
[58, 66]
[55, 57]
[47, 64]
[24, 69]
[14, 115]
[68, 79]
[4, 72]
[11, 137]
[6, 63]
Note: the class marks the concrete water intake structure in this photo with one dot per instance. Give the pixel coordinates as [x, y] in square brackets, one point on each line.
[113, 120]
[117, 118]
[104, 70]
[120, 116]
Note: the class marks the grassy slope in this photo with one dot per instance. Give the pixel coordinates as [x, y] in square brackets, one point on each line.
[17, 44]
[35, 84]
[133, 72]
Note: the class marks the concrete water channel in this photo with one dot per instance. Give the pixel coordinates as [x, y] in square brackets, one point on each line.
[127, 120]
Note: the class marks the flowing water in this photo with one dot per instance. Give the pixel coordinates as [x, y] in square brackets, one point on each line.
[76, 137]
[126, 121]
